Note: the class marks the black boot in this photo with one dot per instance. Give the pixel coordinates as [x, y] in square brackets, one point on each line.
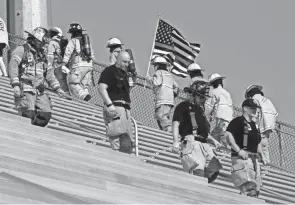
[87, 98]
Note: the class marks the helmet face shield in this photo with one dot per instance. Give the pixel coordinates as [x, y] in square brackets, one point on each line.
[39, 37]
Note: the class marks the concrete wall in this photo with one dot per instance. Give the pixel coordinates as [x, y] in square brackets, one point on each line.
[3, 11]
[25, 15]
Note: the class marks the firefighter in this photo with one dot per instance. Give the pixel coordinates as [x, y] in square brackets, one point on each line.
[3, 45]
[80, 56]
[57, 74]
[26, 70]
[115, 92]
[166, 89]
[191, 124]
[267, 120]
[115, 47]
[195, 71]
[244, 137]
[220, 106]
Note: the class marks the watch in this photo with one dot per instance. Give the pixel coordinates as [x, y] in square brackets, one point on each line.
[109, 105]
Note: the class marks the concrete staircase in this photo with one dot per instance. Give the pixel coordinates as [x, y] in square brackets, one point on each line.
[58, 158]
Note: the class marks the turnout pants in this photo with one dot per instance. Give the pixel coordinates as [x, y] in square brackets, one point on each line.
[122, 142]
[79, 80]
[219, 130]
[163, 117]
[265, 146]
[198, 158]
[246, 175]
[34, 106]
[62, 79]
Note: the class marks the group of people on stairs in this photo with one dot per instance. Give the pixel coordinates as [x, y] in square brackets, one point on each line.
[49, 59]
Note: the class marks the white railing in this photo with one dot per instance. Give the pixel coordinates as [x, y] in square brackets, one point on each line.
[136, 135]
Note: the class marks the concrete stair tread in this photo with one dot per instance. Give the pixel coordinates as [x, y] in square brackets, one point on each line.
[24, 189]
[57, 165]
[15, 142]
[74, 188]
[11, 199]
[84, 181]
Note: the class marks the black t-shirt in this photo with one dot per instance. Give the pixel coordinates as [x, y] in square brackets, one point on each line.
[237, 128]
[182, 115]
[117, 81]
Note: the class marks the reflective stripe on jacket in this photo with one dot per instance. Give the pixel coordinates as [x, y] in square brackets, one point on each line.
[164, 87]
[268, 115]
[73, 55]
[29, 71]
[221, 104]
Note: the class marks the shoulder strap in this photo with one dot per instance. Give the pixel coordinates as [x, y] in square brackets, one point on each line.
[26, 51]
[193, 120]
[246, 134]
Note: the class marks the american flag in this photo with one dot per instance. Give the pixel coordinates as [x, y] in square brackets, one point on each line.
[168, 39]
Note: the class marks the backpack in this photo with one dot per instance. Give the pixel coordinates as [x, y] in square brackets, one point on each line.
[63, 44]
[25, 61]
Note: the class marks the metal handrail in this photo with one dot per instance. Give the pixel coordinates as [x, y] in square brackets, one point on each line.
[136, 135]
[133, 120]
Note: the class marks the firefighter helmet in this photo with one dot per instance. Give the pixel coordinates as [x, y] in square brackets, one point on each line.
[75, 27]
[215, 76]
[114, 42]
[249, 88]
[199, 87]
[194, 67]
[56, 30]
[159, 60]
[40, 34]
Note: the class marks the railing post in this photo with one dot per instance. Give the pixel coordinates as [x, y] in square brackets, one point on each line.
[280, 144]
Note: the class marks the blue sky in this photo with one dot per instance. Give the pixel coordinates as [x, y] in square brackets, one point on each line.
[246, 41]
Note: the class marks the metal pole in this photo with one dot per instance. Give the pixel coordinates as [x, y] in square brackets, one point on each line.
[280, 145]
[147, 72]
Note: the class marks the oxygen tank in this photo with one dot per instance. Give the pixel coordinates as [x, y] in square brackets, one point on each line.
[86, 49]
[131, 67]
[63, 44]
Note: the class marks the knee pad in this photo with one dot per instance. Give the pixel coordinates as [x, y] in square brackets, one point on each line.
[41, 118]
[199, 172]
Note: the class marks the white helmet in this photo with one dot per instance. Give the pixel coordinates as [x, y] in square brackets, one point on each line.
[39, 33]
[57, 30]
[214, 76]
[159, 60]
[113, 42]
[194, 67]
[249, 88]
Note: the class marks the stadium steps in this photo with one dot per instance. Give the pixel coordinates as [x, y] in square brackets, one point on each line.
[153, 144]
[97, 176]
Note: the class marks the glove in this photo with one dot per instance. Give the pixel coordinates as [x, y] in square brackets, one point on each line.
[16, 91]
[65, 69]
[175, 147]
[243, 154]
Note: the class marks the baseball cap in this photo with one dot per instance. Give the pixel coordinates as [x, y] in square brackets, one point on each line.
[251, 103]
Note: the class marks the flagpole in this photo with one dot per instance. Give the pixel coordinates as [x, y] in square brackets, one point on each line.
[147, 72]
